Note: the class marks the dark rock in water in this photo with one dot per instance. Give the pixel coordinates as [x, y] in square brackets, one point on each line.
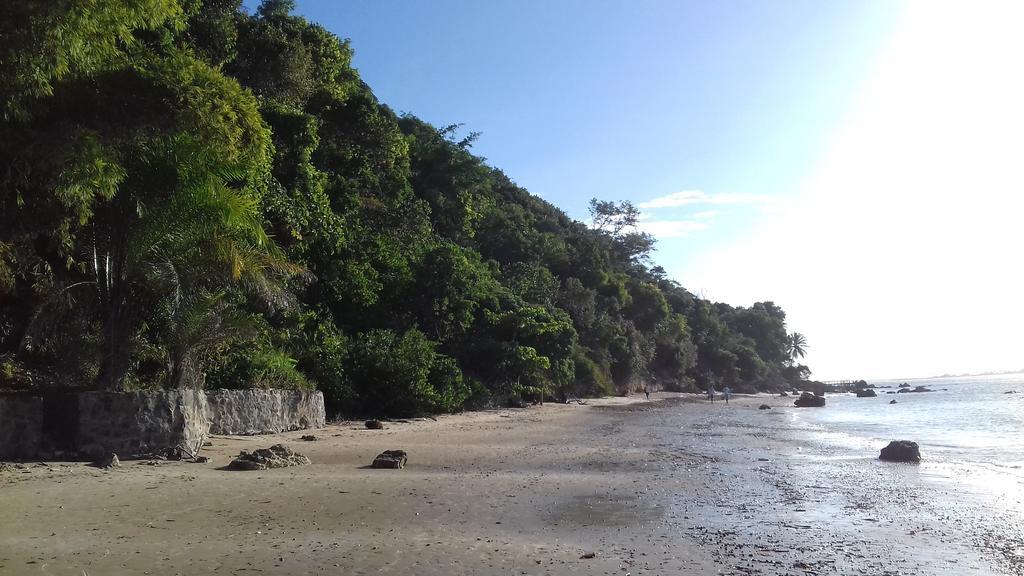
[819, 393]
[783, 394]
[309, 438]
[904, 385]
[901, 451]
[374, 424]
[390, 459]
[890, 392]
[808, 400]
[893, 401]
[1010, 392]
[277, 456]
[867, 393]
[917, 389]
[764, 407]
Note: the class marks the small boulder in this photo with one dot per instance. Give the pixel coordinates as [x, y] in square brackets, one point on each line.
[764, 407]
[374, 424]
[893, 401]
[309, 438]
[277, 456]
[904, 385]
[109, 461]
[1010, 392]
[901, 451]
[866, 393]
[390, 459]
[808, 400]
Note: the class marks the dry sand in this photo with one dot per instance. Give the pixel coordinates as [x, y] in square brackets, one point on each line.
[673, 486]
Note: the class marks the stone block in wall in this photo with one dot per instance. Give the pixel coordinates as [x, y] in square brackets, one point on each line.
[245, 412]
[141, 422]
[21, 426]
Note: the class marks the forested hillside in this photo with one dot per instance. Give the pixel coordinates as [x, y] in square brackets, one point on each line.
[194, 196]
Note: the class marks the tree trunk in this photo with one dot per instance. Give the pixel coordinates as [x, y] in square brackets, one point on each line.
[117, 333]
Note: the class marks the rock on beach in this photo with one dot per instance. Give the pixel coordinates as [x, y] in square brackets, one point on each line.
[277, 456]
[390, 459]
[901, 451]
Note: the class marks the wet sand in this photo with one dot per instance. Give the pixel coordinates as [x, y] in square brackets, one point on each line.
[672, 486]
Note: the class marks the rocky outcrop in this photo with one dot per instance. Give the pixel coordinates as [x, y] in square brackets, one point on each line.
[808, 400]
[908, 390]
[901, 451]
[277, 456]
[390, 459]
[764, 407]
[866, 393]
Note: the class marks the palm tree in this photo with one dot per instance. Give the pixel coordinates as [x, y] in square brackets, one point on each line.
[797, 345]
[165, 257]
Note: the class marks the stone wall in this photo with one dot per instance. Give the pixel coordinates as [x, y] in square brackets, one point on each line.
[90, 424]
[141, 422]
[21, 425]
[264, 411]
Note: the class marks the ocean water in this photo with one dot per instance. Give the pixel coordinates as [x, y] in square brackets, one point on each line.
[969, 429]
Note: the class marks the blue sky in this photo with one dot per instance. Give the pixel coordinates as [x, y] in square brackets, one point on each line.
[857, 162]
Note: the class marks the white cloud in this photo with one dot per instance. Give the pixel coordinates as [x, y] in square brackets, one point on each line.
[900, 256]
[671, 228]
[691, 197]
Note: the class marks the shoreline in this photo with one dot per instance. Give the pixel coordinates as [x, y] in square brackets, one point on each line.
[670, 486]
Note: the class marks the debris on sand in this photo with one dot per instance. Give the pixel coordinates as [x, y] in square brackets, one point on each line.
[390, 459]
[374, 424]
[277, 456]
[309, 437]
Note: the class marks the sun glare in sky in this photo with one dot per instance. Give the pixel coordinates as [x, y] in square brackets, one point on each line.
[903, 244]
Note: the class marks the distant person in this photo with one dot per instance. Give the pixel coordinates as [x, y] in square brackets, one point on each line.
[711, 393]
[725, 394]
[647, 393]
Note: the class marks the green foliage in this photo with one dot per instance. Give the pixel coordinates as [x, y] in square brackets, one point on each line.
[194, 195]
[403, 374]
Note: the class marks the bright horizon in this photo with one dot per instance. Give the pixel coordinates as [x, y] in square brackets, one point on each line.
[857, 163]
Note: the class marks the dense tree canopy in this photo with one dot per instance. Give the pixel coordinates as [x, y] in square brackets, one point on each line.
[198, 196]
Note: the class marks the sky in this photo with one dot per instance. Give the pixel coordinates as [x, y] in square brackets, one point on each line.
[859, 163]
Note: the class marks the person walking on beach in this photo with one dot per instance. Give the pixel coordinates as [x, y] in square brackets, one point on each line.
[725, 394]
[711, 393]
[647, 393]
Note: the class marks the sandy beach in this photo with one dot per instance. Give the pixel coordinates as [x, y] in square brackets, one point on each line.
[617, 486]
